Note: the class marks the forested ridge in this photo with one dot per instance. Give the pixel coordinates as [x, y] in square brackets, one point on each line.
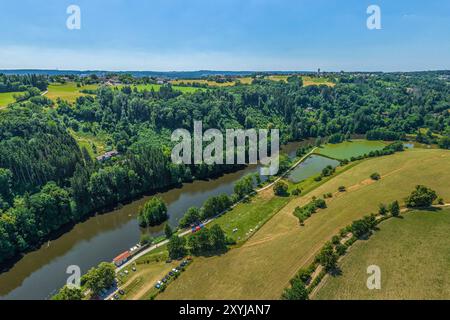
[47, 179]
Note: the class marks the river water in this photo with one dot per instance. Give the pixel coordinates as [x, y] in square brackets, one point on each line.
[39, 274]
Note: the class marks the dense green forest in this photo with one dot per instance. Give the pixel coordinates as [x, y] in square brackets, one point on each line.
[47, 179]
[13, 83]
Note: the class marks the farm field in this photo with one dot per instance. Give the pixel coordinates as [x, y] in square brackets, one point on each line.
[7, 98]
[67, 91]
[307, 80]
[348, 149]
[210, 83]
[281, 246]
[413, 255]
[314, 81]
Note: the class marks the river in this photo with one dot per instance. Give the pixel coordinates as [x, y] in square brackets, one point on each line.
[39, 274]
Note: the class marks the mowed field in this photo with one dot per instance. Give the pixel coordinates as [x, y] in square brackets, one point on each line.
[67, 91]
[262, 267]
[413, 254]
[7, 98]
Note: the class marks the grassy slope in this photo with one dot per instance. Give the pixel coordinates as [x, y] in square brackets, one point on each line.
[262, 267]
[348, 149]
[7, 98]
[68, 91]
[413, 254]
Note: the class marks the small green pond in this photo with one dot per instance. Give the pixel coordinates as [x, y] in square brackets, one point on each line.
[312, 166]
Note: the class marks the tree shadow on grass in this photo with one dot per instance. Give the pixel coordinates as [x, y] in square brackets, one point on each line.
[336, 272]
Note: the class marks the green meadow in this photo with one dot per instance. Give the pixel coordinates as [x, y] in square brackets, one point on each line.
[7, 98]
[67, 91]
[348, 149]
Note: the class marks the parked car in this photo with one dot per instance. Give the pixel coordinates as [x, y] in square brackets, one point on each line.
[116, 296]
[121, 292]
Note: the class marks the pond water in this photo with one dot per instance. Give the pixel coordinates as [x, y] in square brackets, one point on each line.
[348, 149]
[312, 166]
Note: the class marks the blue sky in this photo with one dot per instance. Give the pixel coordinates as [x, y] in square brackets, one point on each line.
[166, 35]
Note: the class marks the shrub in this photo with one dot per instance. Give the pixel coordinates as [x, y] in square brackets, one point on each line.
[375, 176]
[394, 208]
[296, 192]
[280, 188]
[297, 291]
[363, 226]
[342, 189]
[341, 249]
[192, 216]
[421, 197]
[327, 257]
[305, 274]
[383, 210]
[145, 239]
[335, 240]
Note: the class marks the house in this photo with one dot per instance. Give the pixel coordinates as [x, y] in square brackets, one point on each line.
[108, 155]
[121, 258]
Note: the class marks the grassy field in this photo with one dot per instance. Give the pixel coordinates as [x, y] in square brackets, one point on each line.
[7, 98]
[203, 81]
[67, 91]
[141, 282]
[156, 87]
[262, 267]
[348, 149]
[314, 81]
[242, 80]
[413, 254]
[249, 217]
[307, 80]
[70, 92]
[90, 142]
